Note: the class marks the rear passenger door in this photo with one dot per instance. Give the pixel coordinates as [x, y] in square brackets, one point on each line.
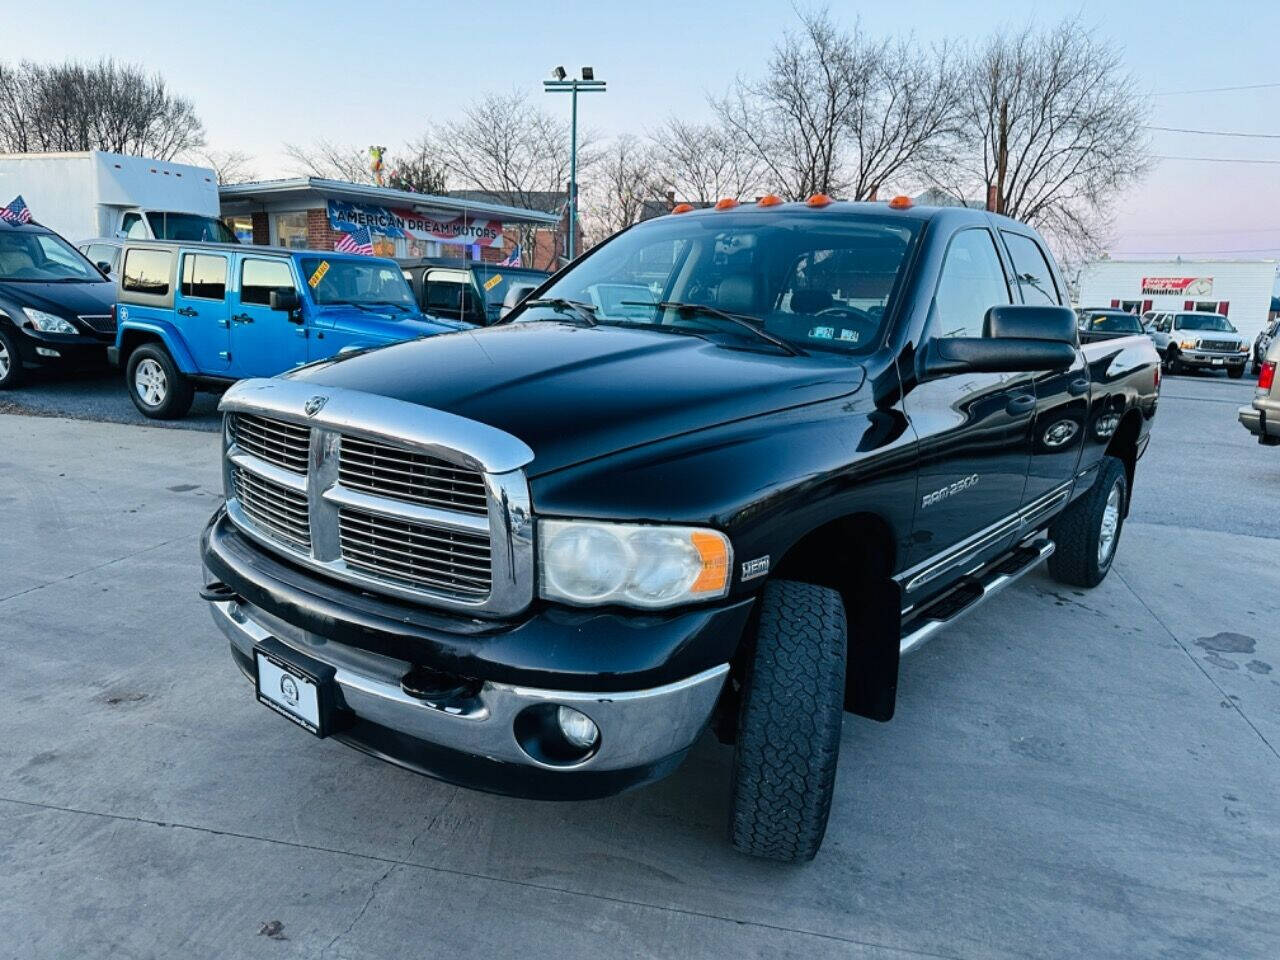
[1062, 397]
[200, 309]
[264, 342]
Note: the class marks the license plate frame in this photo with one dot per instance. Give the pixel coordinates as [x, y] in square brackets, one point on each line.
[1218, 361]
[297, 687]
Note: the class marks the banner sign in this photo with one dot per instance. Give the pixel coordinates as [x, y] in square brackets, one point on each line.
[1177, 286]
[400, 222]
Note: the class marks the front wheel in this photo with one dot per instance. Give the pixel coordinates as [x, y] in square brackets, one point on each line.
[784, 765]
[156, 385]
[1087, 532]
[1235, 373]
[10, 362]
[1171, 364]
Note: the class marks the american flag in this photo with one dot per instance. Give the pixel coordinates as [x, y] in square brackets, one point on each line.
[513, 259]
[358, 240]
[17, 211]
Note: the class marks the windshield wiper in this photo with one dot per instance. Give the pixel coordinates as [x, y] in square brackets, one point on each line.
[703, 310]
[585, 312]
[390, 303]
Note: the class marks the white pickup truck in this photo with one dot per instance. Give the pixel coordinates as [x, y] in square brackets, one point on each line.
[95, 194]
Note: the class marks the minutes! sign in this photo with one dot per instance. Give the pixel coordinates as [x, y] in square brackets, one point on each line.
[1177, 286]
[457, 228]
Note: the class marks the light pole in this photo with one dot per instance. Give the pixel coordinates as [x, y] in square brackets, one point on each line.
[558, 84]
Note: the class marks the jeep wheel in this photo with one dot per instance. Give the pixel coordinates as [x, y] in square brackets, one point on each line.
[784, 765]
[1087, 532]
[10, 362]
[156, 386]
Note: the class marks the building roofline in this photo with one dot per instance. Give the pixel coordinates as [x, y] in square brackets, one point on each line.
[358, 192]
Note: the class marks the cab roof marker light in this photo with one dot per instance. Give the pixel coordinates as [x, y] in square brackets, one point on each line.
[726, 203]
[769, 200]
[818, 200]
[682, 208]
[900, 202]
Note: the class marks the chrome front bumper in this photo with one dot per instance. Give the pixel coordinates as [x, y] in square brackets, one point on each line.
[637, 728]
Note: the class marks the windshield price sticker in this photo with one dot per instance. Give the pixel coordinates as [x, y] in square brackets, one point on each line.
[492, 282]
[316, 277]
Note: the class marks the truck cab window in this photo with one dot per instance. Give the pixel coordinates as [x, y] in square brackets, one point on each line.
[1031, 270]
[133, 226]
[972, 281]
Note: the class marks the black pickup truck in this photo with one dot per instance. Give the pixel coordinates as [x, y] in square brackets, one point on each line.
[721, 472]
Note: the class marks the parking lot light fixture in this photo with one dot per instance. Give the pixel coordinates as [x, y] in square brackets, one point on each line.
[559, 84]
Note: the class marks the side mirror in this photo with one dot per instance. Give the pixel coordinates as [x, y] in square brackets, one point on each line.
[287, 301]
[104, 268]
[1016, 338]
[515, 294]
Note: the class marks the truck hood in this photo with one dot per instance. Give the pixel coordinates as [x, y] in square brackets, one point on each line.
[573, 393]
[384, 324]
[61, 299]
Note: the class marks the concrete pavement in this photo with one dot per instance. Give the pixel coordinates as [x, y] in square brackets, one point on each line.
[1070, 774]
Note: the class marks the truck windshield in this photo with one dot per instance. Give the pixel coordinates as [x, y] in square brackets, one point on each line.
[26, 256]
[189, 226]
[1113, 323]
[1204, 321]
[816, 280]
[369, 282]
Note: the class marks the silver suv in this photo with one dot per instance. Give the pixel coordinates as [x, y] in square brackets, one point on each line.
[1262, 417]
[1206, 341]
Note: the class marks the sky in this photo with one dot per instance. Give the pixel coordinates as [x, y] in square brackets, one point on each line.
[266, 73]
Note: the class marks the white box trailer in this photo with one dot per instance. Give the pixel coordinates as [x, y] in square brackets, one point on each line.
[96, 194]
[1240, 289]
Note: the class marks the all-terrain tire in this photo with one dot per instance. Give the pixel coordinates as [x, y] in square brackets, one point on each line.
[784, 765]
[169, 395]
[1081, 558]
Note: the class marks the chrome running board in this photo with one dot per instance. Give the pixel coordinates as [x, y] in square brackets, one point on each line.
[972, 591]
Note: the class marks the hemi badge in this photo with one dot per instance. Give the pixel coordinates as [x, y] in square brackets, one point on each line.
[755, 568]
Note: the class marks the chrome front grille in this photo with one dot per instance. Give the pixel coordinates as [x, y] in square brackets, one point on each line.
[1219, 345]
[454, 562]
[276, 441]
[280, 511]
[389, 496]
[388, 471]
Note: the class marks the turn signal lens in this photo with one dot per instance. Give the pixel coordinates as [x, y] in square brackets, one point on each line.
[818, 200]
[682, 208]
[714, 551]
[726, 203]
[769, 200]
[1267, 375]
[900, 202]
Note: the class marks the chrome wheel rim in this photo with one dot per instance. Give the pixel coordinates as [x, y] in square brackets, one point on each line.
[4, 361]
[1110, 525]
[150, 382]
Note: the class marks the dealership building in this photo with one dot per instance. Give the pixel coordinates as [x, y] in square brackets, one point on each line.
[314, 213]
[1240, 289]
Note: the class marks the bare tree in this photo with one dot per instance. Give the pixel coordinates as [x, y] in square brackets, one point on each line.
[1053, 128]
[703, 162]
[230, 166]
[417, 170]
[99, 106]
[330, 161]
[624, 180]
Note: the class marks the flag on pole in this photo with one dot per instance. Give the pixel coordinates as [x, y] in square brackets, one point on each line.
[17, 211]
[513, 259]
[358, 240]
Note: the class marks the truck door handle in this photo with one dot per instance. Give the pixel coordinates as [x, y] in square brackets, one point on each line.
[1023, 403]
[186, 312]
[242, 318]
[1078, 387]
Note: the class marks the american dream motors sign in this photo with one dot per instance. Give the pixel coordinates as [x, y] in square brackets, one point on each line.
[459, 228]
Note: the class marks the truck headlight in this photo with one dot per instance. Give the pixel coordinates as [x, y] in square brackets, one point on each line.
[47, 322]
[1187, 344]
[588, 563]
[1246, 347]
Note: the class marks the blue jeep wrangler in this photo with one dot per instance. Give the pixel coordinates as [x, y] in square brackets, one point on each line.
[201, 315]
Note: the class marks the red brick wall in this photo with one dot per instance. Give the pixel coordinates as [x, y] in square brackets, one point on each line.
[320, 236]
[261, 229]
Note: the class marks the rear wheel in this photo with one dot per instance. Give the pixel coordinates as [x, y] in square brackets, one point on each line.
[156, 385]
[1087, 532]
[10, 362]
[1236, 372]
[784, 765]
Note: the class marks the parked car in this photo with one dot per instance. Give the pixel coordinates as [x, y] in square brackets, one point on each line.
[466, 290]
[1262, 416]
[540, 559]
[103, 253]
[55, 307]
[1107, 323]
[204, 315]
[1199, 341]
[1262, 342]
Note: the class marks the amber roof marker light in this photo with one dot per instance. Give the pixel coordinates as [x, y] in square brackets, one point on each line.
[900, 202]
[726, 203]
[818, 200]
[682, 208]
[769, 200]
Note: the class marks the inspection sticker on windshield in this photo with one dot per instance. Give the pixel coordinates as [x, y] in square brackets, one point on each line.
[316, 277]
[492, 282]
[822, 333]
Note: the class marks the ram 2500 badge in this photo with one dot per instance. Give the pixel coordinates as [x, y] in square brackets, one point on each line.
[721, 473]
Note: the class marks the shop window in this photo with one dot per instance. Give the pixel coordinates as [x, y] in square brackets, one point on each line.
[291, 230]
[242, 227]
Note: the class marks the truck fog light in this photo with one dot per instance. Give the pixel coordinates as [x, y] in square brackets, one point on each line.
[46, 352]
[579, 729]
